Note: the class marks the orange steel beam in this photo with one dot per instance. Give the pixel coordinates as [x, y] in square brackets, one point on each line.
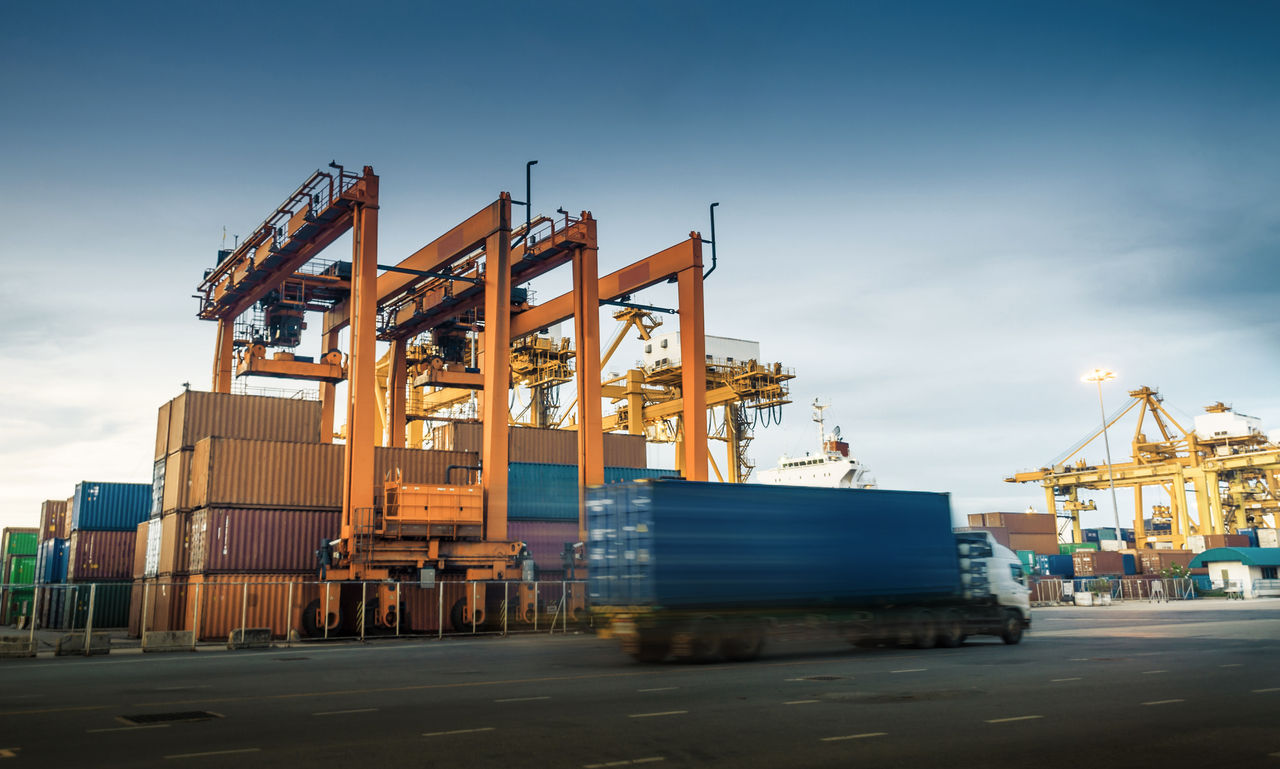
[634, 277]
[397, 389]
[586, 329]
[328, 393]
[358, 480]
[693, 356]
[497, 372]
[222, 355]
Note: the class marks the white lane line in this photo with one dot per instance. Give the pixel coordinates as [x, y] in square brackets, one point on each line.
[126, 728]
[1153, 672]
[1012, 718]
[215, 753]
[1272, 689]
[1057, 680]
[344, 712]
[800, 702]
[1232, 665]
[909, 670]
[458, 731]
[522, 699]
[625, 762]
[1078, 659]
[659, 689]
[654, 715]
[1162, 702]
[862, 736]
[182, 688]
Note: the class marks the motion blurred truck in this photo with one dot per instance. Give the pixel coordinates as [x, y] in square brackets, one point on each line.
[699, 571]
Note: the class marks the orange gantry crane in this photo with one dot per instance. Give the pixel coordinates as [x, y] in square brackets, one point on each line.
[463, 287]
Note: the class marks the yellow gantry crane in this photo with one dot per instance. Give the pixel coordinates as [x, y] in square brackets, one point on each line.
[1234, 477]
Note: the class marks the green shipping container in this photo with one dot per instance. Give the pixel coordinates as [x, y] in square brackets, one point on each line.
[19, 542]
[14, 603]
[110, 605]
[1071, 547]
[1028, 558]
[22, 570]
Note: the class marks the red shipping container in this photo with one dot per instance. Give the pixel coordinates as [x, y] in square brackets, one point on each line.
[235, 540]
[95, 556]
[53, 518]
[1090, 563]
[216, 604]
[1225, 540]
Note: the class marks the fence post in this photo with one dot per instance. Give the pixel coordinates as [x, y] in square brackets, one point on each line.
[439, 610]
[398, 605]
[506, 608]
[325, 613]
[195, 623]
[288, 619]
[244, 608]
[536, 601]
[364, 607]
[88, 625]
[473, 607]
[31, 636]
[142, 621]
[565, 603]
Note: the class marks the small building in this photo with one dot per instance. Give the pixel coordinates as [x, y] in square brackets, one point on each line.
[1253, 571]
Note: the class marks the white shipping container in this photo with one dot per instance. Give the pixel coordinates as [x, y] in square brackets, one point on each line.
[1195, 543]
[1162, 546]
[1113, 545]
[154, 531]
[1268, 538]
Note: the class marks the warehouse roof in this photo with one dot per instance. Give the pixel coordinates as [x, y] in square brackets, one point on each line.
[1249, 556]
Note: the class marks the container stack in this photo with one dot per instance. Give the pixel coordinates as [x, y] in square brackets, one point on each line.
[1035, 533]
[17, 571]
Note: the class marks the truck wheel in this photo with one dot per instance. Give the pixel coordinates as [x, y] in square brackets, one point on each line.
[950, 630]
[1011, 632]
[652, 650]
[744, 645]
[926, 631]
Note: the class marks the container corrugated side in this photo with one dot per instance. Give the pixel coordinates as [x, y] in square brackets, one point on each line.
[53, 513]
[196, 415]
[108, 506]
[162, 431]
[67, 607]
[543, 445]
[245, 540]
[177, 482]
[688, 544]
[216, 604]
[161, 601]
[100, 555]
[51, 564]
[157, 487]
[18, 540]
[21, 570]
[547, 492]
[175, 544]
[234, 473]
[140, 543]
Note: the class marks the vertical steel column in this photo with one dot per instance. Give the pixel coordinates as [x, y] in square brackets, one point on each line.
[244, 609]
[693, 357]
[1139, 522]
[328, 393]
[142, 623]
[288, 618]
[358, 480]
[222, 355]
[497, 372]
[398, 605]
[195, 621]
[397, 382]
[586, 330]
[635, 401]
[733, 441]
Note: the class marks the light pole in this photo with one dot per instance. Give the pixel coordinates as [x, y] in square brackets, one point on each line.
[1099, 376]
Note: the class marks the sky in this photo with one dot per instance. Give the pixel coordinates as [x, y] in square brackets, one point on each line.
[940, 215]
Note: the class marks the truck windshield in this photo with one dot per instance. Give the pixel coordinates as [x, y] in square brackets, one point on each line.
[1018, 574]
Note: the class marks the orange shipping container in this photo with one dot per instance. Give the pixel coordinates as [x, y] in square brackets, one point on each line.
[65, 532]
[140, 550]
[162, 431]
[1156, 561]
[177, 482]
[175, 544]
[1024, 523]
[195, 415]
[1042, 544]
[219, 603]
[162, 601]
[543, 445]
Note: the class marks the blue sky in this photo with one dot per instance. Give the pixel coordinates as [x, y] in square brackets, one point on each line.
[939, 214]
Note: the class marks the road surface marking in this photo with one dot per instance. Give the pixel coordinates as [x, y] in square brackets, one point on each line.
[50, 710]
[1153, 672]
[1056, 680]
[126, 728]
[1162, 702]
[663, 713]
[1255, 691]
[215, 753]
[182, 688]
[862, 736]
[800, 702]
[458, 731]
[1012, 718]
[522, 699]
[1078, 659]
[344, 712]
[625, 762]
[1232, 665]
[909, 670]
[659, 689]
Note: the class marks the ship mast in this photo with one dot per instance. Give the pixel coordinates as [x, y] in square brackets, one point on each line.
[818, 408]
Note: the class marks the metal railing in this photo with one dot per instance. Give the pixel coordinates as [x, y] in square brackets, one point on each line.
[1054, 591]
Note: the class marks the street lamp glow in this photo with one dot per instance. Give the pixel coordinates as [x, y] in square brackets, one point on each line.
[1098, 376]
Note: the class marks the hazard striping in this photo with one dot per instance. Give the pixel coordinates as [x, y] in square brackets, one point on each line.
[345, 712]
[862, 736]
[458, 731]
[216, 753]
[625, 762]
[1162, 702]
[127, 728]
[800, 702]
[659, 689]
[1012, 718]
[1058, 680]
[522, 699]
[655, 715]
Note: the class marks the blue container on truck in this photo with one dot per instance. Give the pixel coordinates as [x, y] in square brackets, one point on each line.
[699, 570]
[103, 506]
[542, 492]
[678, 544]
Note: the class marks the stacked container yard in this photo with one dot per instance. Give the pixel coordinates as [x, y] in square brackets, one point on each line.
[17, 571]
[1036, 533]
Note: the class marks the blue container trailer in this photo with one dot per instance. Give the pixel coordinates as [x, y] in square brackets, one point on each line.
[700, 570]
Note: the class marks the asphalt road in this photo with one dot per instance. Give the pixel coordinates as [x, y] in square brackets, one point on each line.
[1171, 685]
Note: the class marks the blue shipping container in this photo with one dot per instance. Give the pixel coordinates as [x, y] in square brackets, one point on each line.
[1252, 534]
[51, 563]
[1055, 566]
[1130, 564]
[100, 506]
[538, 492]
[684, 544]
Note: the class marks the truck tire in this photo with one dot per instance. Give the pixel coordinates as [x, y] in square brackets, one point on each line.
[1011, 631]
[652, 649]
[744, 644]
[950, 630]
[925, 634]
